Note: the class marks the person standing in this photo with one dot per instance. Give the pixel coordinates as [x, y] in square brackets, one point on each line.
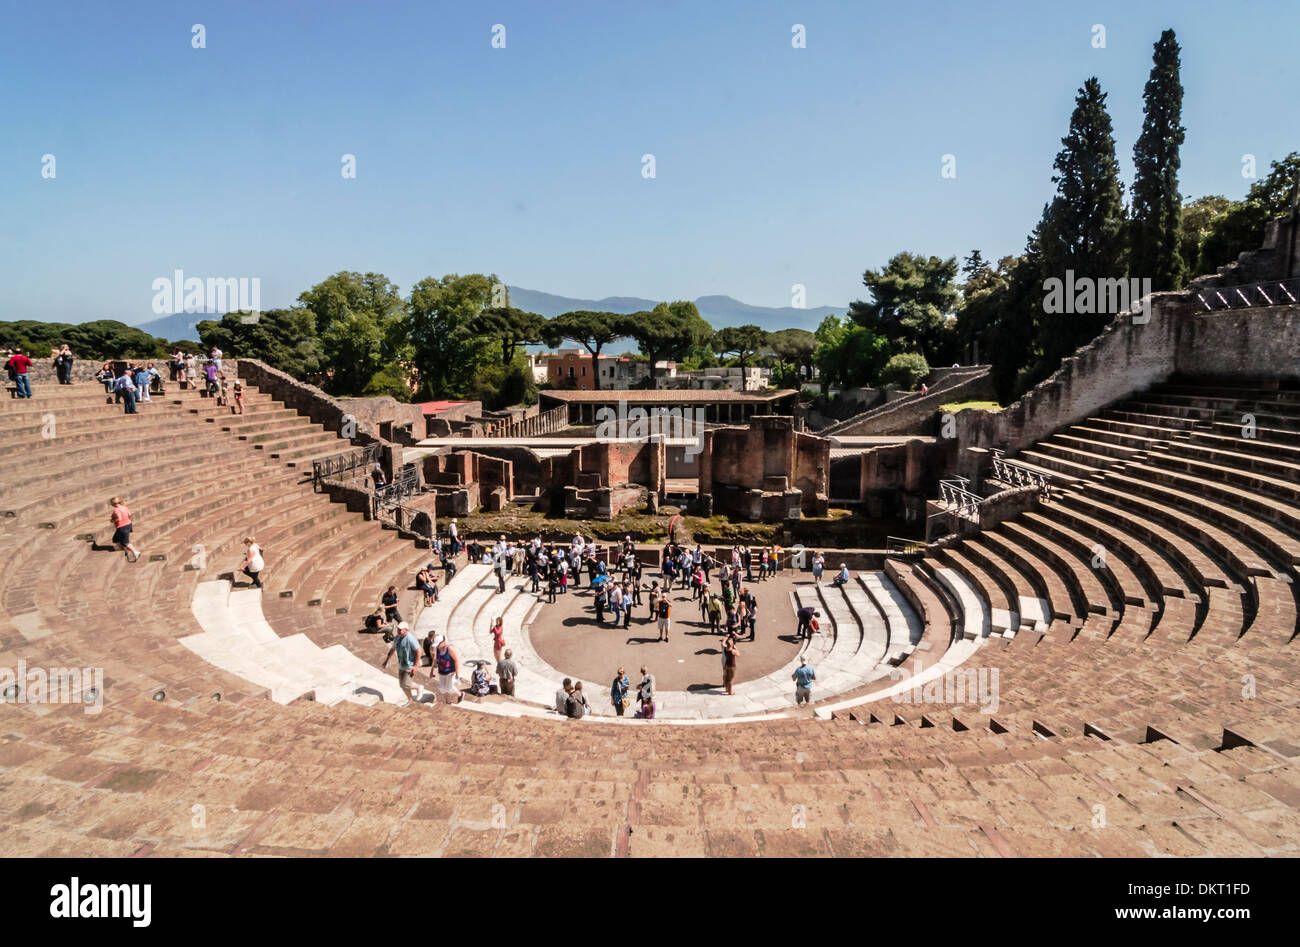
[502, 566]
[191, 371]
[498, 638]
[408, 652]
[665, 618]
[446, 664]
[124, 390]
[618, 692]
[64, 364]
[253, 566]
[751, 613]
[507, 671]
[803, 677]
[453, 534]
[818, 565]
[645, 693]
[715, 612]
[654, 601]
[143, 376]
[730, 653]
[121, 520]
[17, 368]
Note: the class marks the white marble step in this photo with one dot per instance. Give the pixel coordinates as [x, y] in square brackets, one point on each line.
[237, 638]
[904, 624]
[976, 619]
[435, 617]
[1035, 613]
[875, 634]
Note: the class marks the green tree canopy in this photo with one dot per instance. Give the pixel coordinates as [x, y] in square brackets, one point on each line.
[794, 350]
[670, 331]
[442, 316]
[906, 370]
[1241, 227]
[744, 342]
[911, 298]
[592, 330]
[1156, 224]
[848, 355]
[98, 339]
[351, 292]
[285, 339]
[1082, 227]
[511, 328]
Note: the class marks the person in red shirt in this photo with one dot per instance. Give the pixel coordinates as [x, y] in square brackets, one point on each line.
[121, 520]
[17, 368]
[498, 639]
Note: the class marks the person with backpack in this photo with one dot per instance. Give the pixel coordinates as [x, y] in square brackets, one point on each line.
[715, 613]
[600, 605]
[665, 618]
[654, 601]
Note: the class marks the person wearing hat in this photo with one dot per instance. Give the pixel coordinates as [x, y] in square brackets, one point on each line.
[803, 677]
[453, 533]
[408, 652]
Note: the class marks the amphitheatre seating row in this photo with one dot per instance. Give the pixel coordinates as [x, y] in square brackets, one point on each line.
[1156, 730]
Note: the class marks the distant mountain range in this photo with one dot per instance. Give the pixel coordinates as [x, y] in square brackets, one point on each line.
[718, 311]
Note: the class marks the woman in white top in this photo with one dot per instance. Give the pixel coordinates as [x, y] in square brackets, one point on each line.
[253, 563]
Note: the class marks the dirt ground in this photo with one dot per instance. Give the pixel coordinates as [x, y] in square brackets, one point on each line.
[567, 636]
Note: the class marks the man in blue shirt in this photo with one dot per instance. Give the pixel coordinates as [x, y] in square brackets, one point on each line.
[803, 677]
[124, 389]
[843, 577]
[408, 652]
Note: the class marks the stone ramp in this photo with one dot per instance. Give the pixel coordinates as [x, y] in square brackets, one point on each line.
[238, 639]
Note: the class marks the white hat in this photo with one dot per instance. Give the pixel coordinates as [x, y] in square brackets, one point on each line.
[404, 626]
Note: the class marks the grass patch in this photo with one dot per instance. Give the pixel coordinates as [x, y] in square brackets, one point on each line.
[956, 406]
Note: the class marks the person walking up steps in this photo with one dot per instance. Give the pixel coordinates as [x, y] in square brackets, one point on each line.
[121, 520]
[408, 652]
[253, 564]
[446, 664]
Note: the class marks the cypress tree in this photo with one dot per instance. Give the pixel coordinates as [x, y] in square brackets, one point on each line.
[1082, 227]
[1157, 207]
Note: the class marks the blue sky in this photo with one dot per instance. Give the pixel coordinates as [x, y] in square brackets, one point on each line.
[774, 165]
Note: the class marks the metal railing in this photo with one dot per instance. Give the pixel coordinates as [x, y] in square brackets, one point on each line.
[408, 519]
[337, 464]
[1251, 295]
[954, 495]
[901, 546]
[405, 484]
[1018, 475]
